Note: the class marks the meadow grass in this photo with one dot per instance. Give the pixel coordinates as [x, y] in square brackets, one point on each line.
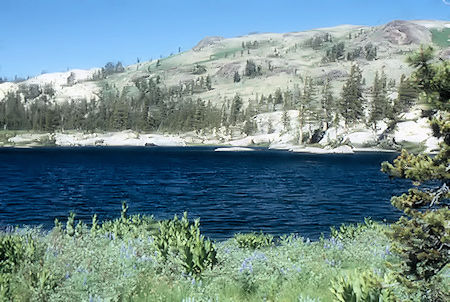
[119, 261]
[441, 37]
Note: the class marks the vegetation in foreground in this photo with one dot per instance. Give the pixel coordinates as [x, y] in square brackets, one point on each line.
[139, 259]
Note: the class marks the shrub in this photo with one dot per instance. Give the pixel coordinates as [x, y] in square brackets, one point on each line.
[22, 271]
[253, 240]
[351, 231]
[183, 240]
[364, 287]
[15, 250]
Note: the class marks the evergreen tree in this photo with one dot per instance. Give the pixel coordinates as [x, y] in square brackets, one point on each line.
[306, 106]
[250, 68]
[208, 82]
[351, 105]
[407, 95]
[422, 236]
[250, 126]
[286, 120]
[327, 103]
[236, 77]
[380, 107]
[278, 97]
[235, 110]
[71, 79]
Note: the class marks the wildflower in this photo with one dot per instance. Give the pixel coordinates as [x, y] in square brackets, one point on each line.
[332, 262]
[259, 256]
[297, 268]
[246, 266]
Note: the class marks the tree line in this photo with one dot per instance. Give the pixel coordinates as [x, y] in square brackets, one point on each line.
[148, 105]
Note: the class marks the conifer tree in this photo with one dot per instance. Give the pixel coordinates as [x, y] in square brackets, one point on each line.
[407, 95]
[208, 83]
[422, 235]
[285, 119]
[305, 108]
[327, 104]
[236, 77]
[235, 110]
[351, 105]
[380, 107]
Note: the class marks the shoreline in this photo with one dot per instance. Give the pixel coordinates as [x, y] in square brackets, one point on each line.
[215, 148]
[130, 138]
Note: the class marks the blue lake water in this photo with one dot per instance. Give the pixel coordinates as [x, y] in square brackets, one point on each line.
[273, 191]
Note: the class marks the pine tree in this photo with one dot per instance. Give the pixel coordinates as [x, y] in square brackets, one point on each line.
[380, 107]
[422, 236]
[236, 77]
[327, 103]
[235, 110]
[278, 97]
[208, 82]
[351, 105]
[250, 68]
[285, 119]
[407, 95]
[305, 108]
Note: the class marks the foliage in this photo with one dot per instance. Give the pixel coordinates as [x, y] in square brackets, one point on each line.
[335, 53]
[407, 95]
[422, 236]
[362, 287]
[352, 231]
[100, 265]
[253, 240]
[15, 250]
[22, 272]
[199, 69]
[380, 106]
[351, 104]
[236, 77]
[182, 240]
[251, 69]
[327, 104]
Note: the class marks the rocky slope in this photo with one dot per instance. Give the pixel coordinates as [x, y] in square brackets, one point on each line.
[285, 60]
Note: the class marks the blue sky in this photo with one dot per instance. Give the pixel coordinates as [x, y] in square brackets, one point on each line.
[53, 35]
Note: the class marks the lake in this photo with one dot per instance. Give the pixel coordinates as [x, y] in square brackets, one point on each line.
[277, 192]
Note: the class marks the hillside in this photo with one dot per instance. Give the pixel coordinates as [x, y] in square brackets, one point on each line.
[257, 89]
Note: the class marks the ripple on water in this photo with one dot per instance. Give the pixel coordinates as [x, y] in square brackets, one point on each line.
[273, 191]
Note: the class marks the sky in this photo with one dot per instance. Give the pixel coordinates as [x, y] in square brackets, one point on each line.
[39, 36]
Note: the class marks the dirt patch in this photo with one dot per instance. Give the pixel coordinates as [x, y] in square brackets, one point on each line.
[402, 33]
[228, 70]
[207, 41]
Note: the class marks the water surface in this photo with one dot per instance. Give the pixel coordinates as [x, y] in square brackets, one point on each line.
[273, 191]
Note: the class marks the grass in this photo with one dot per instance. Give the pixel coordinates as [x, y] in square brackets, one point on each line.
[441, 37]
[119, 261]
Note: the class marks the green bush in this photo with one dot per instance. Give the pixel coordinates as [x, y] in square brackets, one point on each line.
[351, 231]
[364, 287]
[253, 240]
[22, 271]
[135, 226]
[183, 240]
[16, 250]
